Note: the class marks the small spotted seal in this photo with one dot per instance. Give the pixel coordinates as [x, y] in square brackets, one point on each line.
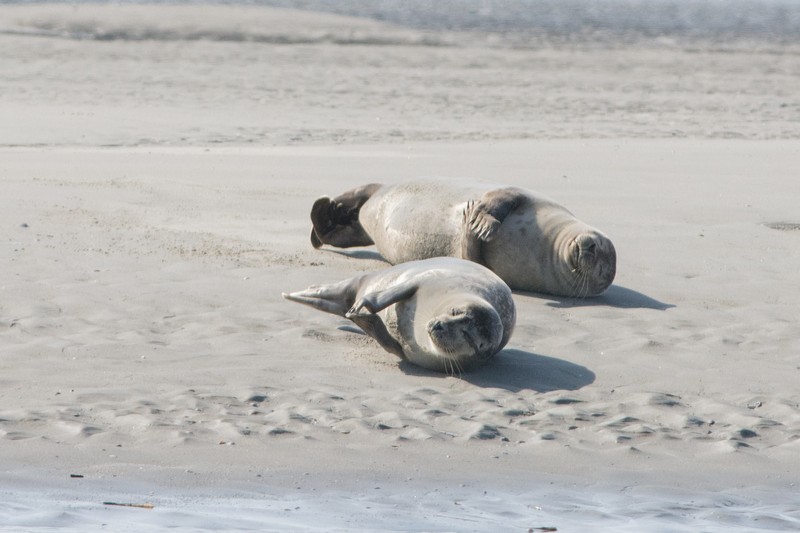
[531, 242]
[443, 314]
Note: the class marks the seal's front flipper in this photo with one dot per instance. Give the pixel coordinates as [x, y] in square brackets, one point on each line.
[363, 313]
[487, 214]
[375, 328]
[470, 243]
[375, 302]
[336, 221]
[480, 223]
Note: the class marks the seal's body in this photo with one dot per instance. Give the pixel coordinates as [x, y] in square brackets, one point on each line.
[444, 314]
[530, 241]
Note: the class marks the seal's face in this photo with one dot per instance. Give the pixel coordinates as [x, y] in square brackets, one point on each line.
[593, 263]
[465, 336]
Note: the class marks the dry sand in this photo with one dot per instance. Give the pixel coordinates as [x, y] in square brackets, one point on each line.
[155, 206]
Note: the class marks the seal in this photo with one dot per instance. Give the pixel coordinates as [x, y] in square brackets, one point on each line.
[443, 314]
[530, 241]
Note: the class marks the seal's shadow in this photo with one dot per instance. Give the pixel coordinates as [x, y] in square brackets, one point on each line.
[513, 370]
[358, 254]
[518, 370]
[615, 296]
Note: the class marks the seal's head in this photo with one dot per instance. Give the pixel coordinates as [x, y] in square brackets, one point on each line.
[592, 261]
[464, 336]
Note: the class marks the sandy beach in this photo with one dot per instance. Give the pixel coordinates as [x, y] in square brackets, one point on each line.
[156, 191]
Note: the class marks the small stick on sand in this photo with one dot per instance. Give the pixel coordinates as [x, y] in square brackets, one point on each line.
[139, 505]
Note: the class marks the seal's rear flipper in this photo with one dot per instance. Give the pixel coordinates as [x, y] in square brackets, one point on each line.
[329, 306]
[336, 298]
[336, 221]
[315, 242]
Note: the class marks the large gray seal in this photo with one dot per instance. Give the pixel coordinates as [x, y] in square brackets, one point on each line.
[443, 314]
[530, 241]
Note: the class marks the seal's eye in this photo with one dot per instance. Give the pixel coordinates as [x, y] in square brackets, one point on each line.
[456, 312]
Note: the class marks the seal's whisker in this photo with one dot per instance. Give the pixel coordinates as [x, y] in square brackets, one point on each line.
[459, 368]
[452, 371]
[576, 284]
[586, 282]
[581, 285]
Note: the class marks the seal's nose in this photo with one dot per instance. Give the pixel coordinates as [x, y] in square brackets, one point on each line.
[435, 325]
[586, 244]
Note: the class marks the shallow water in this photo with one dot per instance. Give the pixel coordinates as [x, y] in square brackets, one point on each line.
[708, 19]
[648, 17]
